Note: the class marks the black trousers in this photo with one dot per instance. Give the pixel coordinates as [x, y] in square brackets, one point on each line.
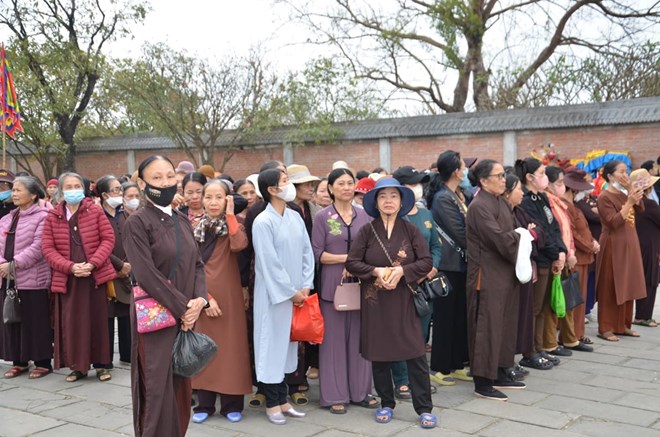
[124, 335]
[450, 341]
[228, 403]
[275, 394]
[40, 363]
[419, 383]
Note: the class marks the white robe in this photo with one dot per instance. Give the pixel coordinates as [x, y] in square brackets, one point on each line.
[284, 263]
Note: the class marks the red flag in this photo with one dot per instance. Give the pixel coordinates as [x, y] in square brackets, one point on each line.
[10, 109]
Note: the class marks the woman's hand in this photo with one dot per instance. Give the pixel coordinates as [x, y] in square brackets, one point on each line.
[4, 270]
[571, 262]
[634, 196]
[246, 297]
[213, 310]
[345, 274]
[229, 209]
[125, 271]
[596, 247]
[531, 226]
[395, 277]
[191, 315]
[431, 274]
[298, 299]
[80, 270]
[382, 274]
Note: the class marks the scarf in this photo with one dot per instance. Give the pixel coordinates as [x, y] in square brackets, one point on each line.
[215, 227]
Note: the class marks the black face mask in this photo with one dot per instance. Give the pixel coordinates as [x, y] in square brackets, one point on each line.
[160, 196]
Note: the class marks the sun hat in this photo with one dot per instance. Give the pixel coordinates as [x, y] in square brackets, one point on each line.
[408, 175]
[574, 179]
[254, 180]
[365, 185]
[643, 177]
[407, 197]
[299, 174]
[185, 167]
[7, 176]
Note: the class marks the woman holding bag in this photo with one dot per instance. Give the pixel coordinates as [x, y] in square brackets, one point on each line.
[165, 261]
[346, 375]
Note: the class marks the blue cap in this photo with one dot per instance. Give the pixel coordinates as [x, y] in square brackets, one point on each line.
[407, 197]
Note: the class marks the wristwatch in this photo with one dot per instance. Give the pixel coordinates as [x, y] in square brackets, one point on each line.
[206, 304]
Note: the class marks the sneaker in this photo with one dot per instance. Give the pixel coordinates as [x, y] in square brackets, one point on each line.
[509, 384]
[488, 392]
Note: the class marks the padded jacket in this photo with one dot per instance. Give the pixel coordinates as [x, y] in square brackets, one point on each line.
[448, 215]
[98, 241]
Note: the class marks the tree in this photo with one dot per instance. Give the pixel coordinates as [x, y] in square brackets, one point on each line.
[193, 101]
[443, 51]
[62, 43]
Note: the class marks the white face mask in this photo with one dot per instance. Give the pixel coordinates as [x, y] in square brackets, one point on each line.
[620, 187]
[418, 190]
[132, 204]
[114, 202]
[581, 195]
[288, 193]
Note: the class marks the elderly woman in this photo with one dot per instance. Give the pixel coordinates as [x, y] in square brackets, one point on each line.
[165, 261]
[131, 196]
[619, 271]
[284, 275]
[77, 242]
[390, 256]
[20, 252]
[220, 238]
[193, 185]
[492, 288]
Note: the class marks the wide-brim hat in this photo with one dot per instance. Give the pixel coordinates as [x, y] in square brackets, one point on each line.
[574, 179]
[642, 176]
[7, 176]
[300, 174]
[407, 197]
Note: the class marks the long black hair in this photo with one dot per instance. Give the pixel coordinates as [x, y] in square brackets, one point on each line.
[526, 166]
[447, 163]
[267, 179]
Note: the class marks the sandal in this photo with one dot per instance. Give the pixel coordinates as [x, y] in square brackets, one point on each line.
[402, 392]
[313, 373]
[257, 400]
[428, 420]
[370, 402]
[338, 409]
[75, 376]
[628, 333]
[609, 336]
[462, 375]
[103, 375]
[39, 372]
[536, 362]
[586, 340]
[16, 371]
[553, 359]
[650, 323]
[442, 379]
[384, 415]
[299, 398]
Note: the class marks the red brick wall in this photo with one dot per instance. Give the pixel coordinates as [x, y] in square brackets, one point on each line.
[319, 158]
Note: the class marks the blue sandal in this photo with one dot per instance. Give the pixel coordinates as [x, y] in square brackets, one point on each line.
[384, 415]
[428, 420]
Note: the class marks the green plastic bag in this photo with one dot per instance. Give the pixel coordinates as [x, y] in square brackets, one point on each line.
[557, 301]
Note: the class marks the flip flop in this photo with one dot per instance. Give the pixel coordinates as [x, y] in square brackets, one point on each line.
[608, 336]
[103, 375]
[384, 415]
[428, 420]
[650, 323]
[628, 333]
[402, 392]
[39, 372]
[16, 371]
[75, 376]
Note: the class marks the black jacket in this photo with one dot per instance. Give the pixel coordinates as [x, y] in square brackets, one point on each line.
[448, 215]
[538, 208]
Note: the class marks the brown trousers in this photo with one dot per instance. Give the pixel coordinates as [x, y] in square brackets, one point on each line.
[580, 310]
[541, 301]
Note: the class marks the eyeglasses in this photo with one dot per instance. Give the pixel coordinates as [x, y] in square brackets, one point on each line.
[116, 190]
[498, 176]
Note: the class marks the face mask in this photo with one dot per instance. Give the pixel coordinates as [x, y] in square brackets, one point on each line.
[160, 196]
[73, 197]
[418, 191]
[465, 181]
[541, 182]
[288, 193]
[5, 195]
[132, 204]
[114, 202]
[581, 195]
[620, 187]
[559, 191]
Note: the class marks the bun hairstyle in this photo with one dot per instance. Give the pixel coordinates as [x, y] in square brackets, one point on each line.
[268, 178]
[193, 177]
[103, 184]
[610, 168]
[447, 163]
[526, 166]
[511, 182]
[553, 173]
[481, 171]
[224, 186]
[336, 174]
[145, 163]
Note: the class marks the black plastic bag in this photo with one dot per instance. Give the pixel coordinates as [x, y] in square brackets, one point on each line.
[572, 293]
[192, 351]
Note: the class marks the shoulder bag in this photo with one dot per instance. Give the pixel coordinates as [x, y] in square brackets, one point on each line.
[11, 310]
[422, 306]
[150, 314]
[347, 296]
[435, 288]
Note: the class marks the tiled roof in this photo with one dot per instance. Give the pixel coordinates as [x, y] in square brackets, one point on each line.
[633, 111]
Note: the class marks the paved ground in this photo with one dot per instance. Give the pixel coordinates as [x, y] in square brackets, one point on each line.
[614, 391]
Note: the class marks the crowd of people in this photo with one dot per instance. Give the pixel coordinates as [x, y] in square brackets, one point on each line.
[232, 258]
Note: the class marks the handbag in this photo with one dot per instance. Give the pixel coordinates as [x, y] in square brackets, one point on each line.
[307, 321]
[191, 352]
[347, 296]
[572, 294]
[557, 301]
[11, 310]
[435, 288]
[150, 315]
[422, 305]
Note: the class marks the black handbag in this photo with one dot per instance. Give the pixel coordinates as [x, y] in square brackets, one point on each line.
[435, 288]
[572, 295]
[11, 310]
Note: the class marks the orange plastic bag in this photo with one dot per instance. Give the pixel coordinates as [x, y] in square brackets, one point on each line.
[307, 322]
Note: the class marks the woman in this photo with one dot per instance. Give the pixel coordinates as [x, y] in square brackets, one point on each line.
[449, 353]
[321, 195]
[492, 289]
[6, 183]
[165, 260]
[131, 196]
[278, 234]
[51, 190]
[245, 188]
[77, 242]
[193, 185]
[648, 230]
[346, 376]
[552, 255]
[619, 271]
[389, 255]
[220, 238]
[20, 251]
[109, 191]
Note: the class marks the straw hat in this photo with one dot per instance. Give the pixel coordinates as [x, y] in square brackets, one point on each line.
[642, 178]
[299, 174]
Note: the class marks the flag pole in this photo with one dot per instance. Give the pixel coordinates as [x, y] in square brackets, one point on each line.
[4, 124]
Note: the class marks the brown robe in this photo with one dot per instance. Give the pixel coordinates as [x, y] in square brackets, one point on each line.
[492, 286]
[390, 328]
[229, 372]
[161, 400]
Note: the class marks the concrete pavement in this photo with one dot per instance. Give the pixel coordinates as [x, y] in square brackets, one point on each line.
[612, 392]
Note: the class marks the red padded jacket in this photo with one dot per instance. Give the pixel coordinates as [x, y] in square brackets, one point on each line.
[98, 240]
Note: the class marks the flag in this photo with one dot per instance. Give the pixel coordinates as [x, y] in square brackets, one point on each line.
[11, 112]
